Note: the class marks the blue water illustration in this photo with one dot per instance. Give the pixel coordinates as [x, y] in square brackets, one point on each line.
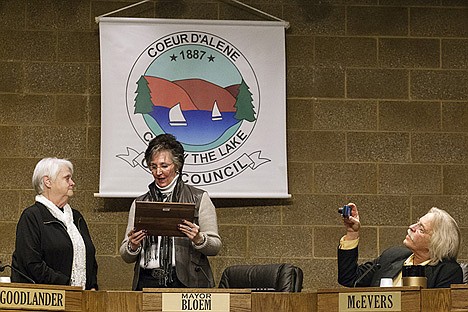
[200, 128]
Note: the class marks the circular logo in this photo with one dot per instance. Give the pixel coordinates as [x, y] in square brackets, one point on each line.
[198, 87]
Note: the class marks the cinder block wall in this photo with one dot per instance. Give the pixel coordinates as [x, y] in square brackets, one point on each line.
[377, 114]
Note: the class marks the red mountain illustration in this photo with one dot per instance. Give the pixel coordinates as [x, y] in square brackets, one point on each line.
[204, 94]
[192, 94]
[234, 90]
[168, 94]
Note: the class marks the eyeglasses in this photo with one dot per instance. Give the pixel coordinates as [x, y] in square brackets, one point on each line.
[164, 167]
[420, 227]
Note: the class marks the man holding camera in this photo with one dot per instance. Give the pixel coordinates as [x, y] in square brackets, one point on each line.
[433, 242]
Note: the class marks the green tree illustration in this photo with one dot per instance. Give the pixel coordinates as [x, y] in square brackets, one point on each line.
[244, 106]
[143, 104]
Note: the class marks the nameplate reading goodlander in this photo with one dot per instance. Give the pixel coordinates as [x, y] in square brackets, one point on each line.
[370, 301]
[32, 299]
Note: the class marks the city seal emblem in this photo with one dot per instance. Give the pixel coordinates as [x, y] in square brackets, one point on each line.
[200, 88]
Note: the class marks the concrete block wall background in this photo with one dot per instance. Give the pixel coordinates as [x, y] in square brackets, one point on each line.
[377, 114]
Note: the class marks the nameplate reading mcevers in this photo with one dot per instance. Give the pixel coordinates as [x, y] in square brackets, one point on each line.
[32, 299]
[370, 301]
[178, 302]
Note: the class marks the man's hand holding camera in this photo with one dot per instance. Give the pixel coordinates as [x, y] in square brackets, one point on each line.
[351, 221]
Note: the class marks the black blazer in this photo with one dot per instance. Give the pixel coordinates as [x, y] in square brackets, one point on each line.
[389, 264]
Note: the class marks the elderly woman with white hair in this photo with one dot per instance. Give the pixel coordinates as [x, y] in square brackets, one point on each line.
[53, 244]
[433, 242]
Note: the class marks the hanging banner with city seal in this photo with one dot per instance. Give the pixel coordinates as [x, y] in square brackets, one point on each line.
[217, 86]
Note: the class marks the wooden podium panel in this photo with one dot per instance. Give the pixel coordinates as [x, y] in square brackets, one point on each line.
[240, 299]
[435, 300]
[284, 302]
[459, 298]
[112, 301]
[328, 299]
[73, 295]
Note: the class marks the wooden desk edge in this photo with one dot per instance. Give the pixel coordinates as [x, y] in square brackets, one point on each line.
[198, 290]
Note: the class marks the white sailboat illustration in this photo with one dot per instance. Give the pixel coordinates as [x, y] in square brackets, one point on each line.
[215, 114]
[176, 117]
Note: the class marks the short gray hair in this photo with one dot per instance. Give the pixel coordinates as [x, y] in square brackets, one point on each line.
[445, 238]
[48, 167]
[166, 142]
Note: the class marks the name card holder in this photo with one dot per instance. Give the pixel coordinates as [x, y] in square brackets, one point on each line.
[196, 299]
[404, 299]
[201, 301]
[40, 297]
[370, 301]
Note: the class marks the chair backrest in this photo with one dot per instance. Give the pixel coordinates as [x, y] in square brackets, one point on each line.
[464, 267]
[264, 277]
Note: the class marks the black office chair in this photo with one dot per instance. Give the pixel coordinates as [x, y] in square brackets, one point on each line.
[267, 277]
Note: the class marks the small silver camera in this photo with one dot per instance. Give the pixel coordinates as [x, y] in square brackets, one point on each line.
[345, 211]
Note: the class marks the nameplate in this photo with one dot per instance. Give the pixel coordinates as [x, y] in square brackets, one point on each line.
[32, 299]
[177, 302]
[370, 301]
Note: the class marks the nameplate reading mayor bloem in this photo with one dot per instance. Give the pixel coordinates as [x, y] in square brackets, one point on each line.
[370, 301]
[32, 299]
[177, 302]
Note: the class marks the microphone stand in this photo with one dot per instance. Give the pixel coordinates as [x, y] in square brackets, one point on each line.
[373, 267]
[200, 269]
[3, 266]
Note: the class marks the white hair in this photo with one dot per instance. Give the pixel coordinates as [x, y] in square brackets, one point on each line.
[446, 237]
[48, 167]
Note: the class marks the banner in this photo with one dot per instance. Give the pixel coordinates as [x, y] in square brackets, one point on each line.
[217, 86]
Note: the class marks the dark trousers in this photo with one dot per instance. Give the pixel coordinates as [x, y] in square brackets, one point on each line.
[147, 280]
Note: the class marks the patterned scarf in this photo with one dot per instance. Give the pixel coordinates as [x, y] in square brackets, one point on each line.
[78, 274]
[159, 252]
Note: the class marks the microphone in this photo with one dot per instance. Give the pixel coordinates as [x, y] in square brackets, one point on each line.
[200, 269]
[374, 267]
[3, 266]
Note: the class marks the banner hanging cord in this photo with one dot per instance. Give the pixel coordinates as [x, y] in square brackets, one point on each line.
[261, 12]
[235, 1]
[97, 18]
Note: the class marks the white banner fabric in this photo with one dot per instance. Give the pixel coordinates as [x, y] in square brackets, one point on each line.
[218, 86]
